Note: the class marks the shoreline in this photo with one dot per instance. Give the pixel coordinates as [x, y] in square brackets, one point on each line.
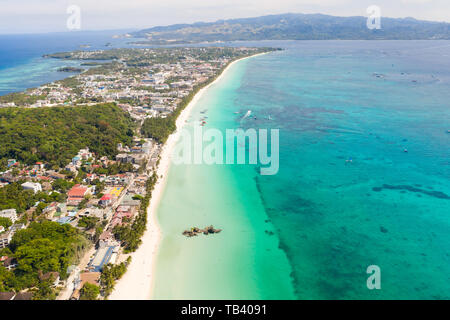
[138, 282]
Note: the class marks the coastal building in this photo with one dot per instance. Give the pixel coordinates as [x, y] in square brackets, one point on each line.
[85, 277]
[11, 214]
[101, 258]
[36, 187]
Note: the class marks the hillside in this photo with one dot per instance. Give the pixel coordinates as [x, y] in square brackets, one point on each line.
[56, 134]
[295, 27]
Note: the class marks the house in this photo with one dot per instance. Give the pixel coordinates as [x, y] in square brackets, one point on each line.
[36, 187]
[76, 160]
[16, 227]
[7, 295]
[76, 194]
[39, 166]
[23, 296]
[126, 211]
[56, 175]
[105, 200]
[11, 214]
[52, 276]
[61, 208]
[86, 277]
[50, 210]
[106, 239]
[64, 220]
[5, 239]
[10, 263]
[11, 162]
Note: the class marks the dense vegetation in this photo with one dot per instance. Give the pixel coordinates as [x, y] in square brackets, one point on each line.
[41, 248]
[296, 27]
[12, 196]
[159, 128]
[54, 135]
[110, 274]
[89, 292]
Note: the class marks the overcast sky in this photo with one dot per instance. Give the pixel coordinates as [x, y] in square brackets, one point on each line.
[34, 16]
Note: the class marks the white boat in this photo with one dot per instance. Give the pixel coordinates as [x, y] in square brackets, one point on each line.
[249, 112]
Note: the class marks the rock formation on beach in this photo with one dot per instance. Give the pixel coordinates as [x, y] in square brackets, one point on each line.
[194, 231]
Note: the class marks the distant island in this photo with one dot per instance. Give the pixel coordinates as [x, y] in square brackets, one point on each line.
[70, 69]
[294, 26]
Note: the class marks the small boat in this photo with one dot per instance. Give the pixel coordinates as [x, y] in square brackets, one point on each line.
[237, 112]
[405, 150]
[249, 112]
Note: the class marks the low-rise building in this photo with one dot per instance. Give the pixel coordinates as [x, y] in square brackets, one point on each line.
[76, 194]
[11, 214]
[5, 239]
[36, 187]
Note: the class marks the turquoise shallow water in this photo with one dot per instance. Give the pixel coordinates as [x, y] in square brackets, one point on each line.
[332, 218]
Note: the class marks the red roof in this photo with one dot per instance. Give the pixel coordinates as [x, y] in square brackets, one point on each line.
[106, 197]
[77, 191]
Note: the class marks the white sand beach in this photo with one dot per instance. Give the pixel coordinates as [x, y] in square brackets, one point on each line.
[137, 282]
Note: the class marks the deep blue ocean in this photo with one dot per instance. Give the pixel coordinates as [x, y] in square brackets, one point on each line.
[364, 173]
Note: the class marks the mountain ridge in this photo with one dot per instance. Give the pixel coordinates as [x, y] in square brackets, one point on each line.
[296, 26]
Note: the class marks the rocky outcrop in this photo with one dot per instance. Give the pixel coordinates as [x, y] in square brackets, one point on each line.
[194, 231]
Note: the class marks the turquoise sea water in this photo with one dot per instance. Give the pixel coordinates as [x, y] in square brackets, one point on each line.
[22, 65]
[333, 101]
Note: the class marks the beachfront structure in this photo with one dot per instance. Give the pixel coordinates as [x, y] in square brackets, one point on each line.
[102, 257]
[36, 187]
[11, 214]
[85, 277]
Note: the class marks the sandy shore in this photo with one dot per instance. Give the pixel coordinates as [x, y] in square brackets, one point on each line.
[137, 283]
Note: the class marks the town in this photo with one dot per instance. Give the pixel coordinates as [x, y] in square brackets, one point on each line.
[92, 207]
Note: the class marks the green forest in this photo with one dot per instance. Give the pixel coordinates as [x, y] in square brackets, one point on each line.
[41, 248]
[54, 135]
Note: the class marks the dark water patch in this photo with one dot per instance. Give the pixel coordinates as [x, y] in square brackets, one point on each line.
[435, 194]
[281, 245]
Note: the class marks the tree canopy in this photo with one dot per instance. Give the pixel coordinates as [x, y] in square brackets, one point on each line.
[56, 134]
